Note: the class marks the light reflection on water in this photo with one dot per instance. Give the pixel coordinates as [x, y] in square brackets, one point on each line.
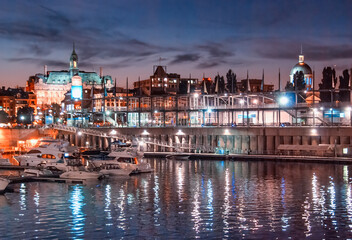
[188, 199]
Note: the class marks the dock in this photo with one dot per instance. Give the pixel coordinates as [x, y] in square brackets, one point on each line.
[244, 157]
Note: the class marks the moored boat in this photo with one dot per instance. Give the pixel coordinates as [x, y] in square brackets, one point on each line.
[3, 184]
[114, 170]
[81, 175]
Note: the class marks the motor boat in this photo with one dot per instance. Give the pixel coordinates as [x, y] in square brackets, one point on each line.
[81, 175]
[114, 170]
[5, 161]
[131, 159]
[3, 184]
[33, 172]
[48, 151]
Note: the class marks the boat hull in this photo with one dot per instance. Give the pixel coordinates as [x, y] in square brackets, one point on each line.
[3, 184]
[80, 175]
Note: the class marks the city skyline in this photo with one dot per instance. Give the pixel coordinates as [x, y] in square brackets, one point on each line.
[128, 38]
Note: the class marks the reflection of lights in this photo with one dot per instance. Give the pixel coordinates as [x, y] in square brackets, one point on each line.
[227, 206]
[23, 202]
[227, 132]
[113, 132]
[179, 183]
[36, 198]
[157, 208]
[108, 112]
[348, 109]
[313, 131]
[196, 213]
[210, 204]
[107, 203]
[76, 205]
[209, 110]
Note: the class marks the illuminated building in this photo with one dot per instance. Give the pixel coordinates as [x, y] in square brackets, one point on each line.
[301, 66]
[159, 83]
[12, 99]
[51, 86]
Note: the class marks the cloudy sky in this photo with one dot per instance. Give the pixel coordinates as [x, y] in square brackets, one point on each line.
[199, 37]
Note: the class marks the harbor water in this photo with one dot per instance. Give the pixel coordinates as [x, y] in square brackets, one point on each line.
[188, 199]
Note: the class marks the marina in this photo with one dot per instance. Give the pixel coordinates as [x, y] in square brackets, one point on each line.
[214, 199]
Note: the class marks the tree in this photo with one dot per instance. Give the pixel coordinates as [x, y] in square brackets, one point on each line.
[344, 93]
[206, 86]
[56, 110]
[183, 87]
[329, 77]
[299, 86]
[4, 117]
[231, 83]
[25, 115]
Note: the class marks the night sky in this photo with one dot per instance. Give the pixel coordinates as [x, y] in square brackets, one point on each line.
[127, 38]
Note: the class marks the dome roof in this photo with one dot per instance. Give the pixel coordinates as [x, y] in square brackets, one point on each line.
[301, 66]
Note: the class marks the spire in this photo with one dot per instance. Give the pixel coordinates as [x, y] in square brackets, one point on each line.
[248, 89]
[262, 83]
[279, 81]
[301, 56]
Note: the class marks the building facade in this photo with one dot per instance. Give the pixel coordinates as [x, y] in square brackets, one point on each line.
[51, 86]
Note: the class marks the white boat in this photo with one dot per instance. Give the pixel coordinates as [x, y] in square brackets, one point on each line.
[5, 162]
[81, 175]
[114, 170]
[3, 183]
[131, 159]
[37, 172]
[48, 151]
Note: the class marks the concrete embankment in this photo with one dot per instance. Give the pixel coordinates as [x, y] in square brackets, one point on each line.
[242, 157]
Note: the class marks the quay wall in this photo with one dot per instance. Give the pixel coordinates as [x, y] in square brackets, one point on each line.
[242, 140]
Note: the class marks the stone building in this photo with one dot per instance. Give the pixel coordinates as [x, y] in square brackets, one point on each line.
[51, 86]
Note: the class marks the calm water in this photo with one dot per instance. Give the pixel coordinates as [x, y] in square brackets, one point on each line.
[198, 199]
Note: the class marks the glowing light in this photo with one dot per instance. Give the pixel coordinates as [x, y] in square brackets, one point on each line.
[209, 110]
[321, 108]
[283, 100]
[113, 132]
[313, 131]
[196, 95]
[23, 117]
[179, 132]
[79, 133]
[241, 101]
[348, 109]
[255, 101]
[227, 132]
[145, 132]
[108, 113]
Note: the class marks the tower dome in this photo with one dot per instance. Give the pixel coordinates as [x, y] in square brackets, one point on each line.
[301, 66]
